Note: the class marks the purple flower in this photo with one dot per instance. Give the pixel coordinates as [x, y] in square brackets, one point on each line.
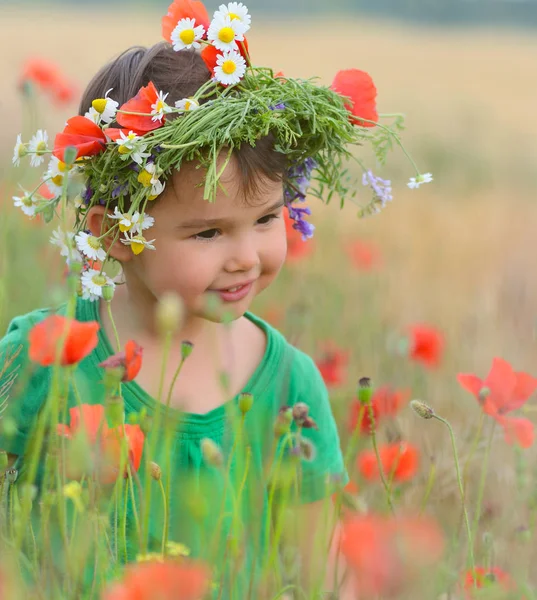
[382, 188]
[87, 195]
[279, 106]
[300, 224]
[117, 191]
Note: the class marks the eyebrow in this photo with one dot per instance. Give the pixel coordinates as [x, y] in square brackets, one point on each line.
[209, 223]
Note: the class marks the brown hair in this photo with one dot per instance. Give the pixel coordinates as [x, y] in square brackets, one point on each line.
[180, 74]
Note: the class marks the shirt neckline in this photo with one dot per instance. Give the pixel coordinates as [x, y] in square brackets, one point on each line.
[136, 397]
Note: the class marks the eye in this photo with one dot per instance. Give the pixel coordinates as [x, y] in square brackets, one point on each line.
[267, 219]
[209, 234]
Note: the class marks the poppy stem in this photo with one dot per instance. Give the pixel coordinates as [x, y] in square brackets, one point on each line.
[483, 478]
[461, 491]
[377, 455]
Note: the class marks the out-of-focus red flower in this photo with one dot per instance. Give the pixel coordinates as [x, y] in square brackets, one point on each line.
[209, 54]
[333, 365]
[359, 88]
[184, 9]
[426, 345]
[89, 421]
[130, 360]
[502, 392]
[48, 77]
[82, 134]
[385, 402]
[79, 340]
[166, 580]
[365, 256]
[399, 461]
[387, 554]
[143, 102]
[297, 248]
[485, 578]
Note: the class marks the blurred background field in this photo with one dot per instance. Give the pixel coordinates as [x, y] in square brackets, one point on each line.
[457, 254]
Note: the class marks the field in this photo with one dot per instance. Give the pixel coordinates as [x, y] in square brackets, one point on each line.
[456, 254]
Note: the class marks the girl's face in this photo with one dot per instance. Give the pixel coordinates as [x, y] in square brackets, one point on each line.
[229, 249]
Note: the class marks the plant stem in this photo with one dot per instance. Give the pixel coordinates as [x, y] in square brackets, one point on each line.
[461, 491]
[379, 462]
[482, 479]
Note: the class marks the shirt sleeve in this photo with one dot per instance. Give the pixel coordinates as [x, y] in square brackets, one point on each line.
[23, 385]
[325, 470]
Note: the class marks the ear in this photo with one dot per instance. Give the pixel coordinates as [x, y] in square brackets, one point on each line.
[97, 222]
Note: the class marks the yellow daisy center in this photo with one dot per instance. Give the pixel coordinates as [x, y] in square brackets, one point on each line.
[27, 201]
[93, 242]
[229, 67]
[99, 105]
[226, 35]
[41, 148]
[57, 179]
[233, 16]
[63, 167]
[187, 36]
[144, 177]
[137, 246]
[21, 151]
[123, 227]
[123, 149]
[152, 197]
[188, 105]
[99, 280]
[159, 106]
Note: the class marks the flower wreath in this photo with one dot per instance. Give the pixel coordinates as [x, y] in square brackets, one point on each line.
[126, 167]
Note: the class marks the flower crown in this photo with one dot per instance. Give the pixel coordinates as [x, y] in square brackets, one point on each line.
[124, 168]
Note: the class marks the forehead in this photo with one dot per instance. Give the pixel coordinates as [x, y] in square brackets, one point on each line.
[184, 192]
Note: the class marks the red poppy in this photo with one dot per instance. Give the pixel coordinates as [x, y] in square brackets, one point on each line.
[210, 54]
[359, 88]
[332, 365]
[82, 134]
[129, 359]
[166, 580]
[387, 554]
[365, 256]
[184, 9]
[297, 248]
[502, 392]
[399, 462]
[426, 345]
[79, 340]
[484, 578]
[89, 421]
[45, 192]
[48, 77]
[141, 103]
[385, 403]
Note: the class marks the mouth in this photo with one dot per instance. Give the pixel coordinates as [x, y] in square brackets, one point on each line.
[235, 292]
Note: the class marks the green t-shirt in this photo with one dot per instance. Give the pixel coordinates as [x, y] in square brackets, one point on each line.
[200, 494]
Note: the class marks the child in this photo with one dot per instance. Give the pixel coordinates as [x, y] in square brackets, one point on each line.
[190, 202]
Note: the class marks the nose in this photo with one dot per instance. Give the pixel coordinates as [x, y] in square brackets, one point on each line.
[243, 254]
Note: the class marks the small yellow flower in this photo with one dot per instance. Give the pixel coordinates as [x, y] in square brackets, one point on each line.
[73, 491]
[177, 549]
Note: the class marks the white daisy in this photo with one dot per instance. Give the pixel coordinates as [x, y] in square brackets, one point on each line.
[224, 33]
[19, 151]
[148, 177]
[160, 108]
[90, 246]
[415, 182]
[38, 146]
[125, 220]
[26, 203]
[55, 174]
[142, 222]
[65, 242]
[93, 282]
[236, 11]
[103, 110]
[230, 68]
[187, 35]
[131, 146]
[187, 104]
[138, 243]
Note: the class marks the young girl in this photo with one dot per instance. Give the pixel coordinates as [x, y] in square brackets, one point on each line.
[189, 164]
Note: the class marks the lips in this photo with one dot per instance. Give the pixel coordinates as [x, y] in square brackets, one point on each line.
[235, 292]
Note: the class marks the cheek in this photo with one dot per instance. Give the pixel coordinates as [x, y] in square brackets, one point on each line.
[275, 250]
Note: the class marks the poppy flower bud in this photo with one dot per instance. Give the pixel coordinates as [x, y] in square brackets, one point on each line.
[186, 349]
[307, 449]
[212, 454]
[300, 412]
[309, 423]
[169, 313]
[245, 402]
[155, 471]
[11, 475]
[115, 411]
[421, 409]
[365, 391]
[108, 292]
[484, 393]
[283, 421]
[69, 155]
